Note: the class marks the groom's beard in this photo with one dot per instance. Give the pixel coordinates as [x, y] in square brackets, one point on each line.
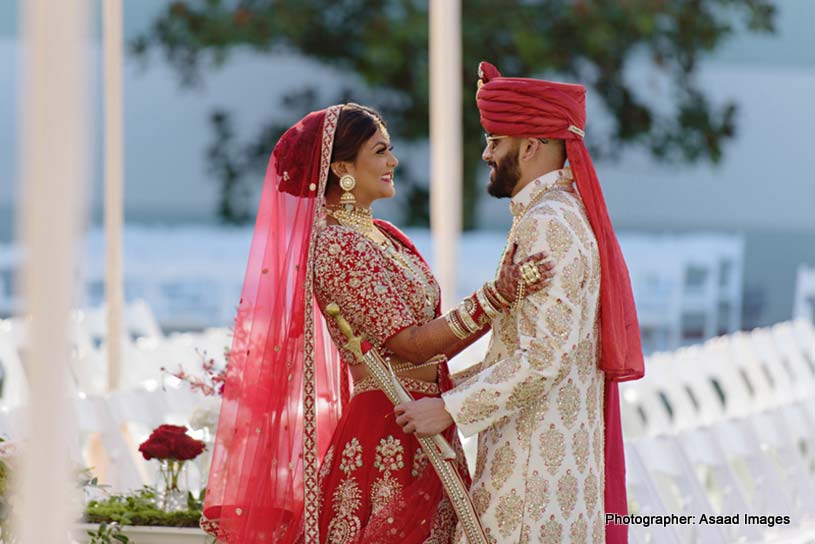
[505, 176]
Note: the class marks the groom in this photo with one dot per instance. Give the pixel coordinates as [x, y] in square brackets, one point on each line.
[544, 402]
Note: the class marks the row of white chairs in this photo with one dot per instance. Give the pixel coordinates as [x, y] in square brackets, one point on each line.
[687, 288]
[110, 427]
[725, 428]
[145, 351]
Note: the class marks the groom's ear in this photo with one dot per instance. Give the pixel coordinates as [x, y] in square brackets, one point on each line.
[529, 148]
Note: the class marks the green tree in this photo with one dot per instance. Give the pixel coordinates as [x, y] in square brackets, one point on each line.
[385, 42]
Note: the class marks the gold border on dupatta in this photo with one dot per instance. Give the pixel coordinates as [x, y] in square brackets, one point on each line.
[311, 514]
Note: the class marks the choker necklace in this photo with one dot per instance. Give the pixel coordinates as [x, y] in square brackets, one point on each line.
[360, 219]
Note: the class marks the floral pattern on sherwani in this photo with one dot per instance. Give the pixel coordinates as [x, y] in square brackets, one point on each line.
[536, 401]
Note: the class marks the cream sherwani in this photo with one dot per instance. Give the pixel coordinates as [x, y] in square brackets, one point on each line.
[536, 401]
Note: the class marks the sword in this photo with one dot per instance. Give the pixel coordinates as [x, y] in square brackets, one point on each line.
[436, 447]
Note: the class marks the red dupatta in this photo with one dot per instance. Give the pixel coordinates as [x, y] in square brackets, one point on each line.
[283, 390]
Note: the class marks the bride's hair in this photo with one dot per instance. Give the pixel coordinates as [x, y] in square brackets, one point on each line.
[355, 125]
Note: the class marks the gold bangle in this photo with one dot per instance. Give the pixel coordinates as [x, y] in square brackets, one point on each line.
[486, 305]
[456, 317]
[498, 296]
[501, 307]
[455, 328]
[466, 319]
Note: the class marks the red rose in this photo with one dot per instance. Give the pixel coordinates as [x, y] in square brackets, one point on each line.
[171, 442]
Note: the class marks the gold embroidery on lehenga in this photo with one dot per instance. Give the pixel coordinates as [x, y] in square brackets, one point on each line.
[383, 491]
[389, 457]
[345, 525]
[351, 457]
[325, 469]
[420, 462]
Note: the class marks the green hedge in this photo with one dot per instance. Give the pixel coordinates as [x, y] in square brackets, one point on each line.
[139, 508]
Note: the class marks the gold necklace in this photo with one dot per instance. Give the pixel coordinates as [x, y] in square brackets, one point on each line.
[359, 219]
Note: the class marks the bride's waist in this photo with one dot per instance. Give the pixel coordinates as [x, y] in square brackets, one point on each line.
[417, 378]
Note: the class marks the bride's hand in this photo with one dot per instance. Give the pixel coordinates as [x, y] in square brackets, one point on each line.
[510, 274]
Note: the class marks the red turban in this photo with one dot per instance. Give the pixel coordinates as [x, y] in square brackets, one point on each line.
[512, 106]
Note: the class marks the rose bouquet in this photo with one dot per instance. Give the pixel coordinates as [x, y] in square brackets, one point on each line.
[172, 447]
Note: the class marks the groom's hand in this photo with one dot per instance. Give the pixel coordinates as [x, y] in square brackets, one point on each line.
[424, 417]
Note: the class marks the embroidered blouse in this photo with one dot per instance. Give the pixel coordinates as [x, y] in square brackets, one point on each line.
[380, 290]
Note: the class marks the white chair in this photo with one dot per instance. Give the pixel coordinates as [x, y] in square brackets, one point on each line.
[15, 380]
[654, 398]
[761, 485]
[673, 478]
[700, 295]
[632, 414]
[717, 479]
[729, 382]
[768, 380]
[95, 418]
[727, 251]
[11, 258]
[644, 500]
[701, 385]
[656, 280]
[804, 303]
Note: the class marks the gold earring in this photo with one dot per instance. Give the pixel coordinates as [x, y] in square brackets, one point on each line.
[347, 184]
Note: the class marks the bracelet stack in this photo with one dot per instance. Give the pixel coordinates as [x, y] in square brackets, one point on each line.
[476, 311]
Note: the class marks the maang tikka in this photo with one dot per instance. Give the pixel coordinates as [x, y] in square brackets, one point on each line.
[347, 184]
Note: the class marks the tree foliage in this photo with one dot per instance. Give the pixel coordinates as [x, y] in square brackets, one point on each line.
[385, 42]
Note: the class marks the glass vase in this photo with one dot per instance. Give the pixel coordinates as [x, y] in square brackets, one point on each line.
[172, 485]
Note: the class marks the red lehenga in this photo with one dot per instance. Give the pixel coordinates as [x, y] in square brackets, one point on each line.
[296, 458]
[375, 482]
